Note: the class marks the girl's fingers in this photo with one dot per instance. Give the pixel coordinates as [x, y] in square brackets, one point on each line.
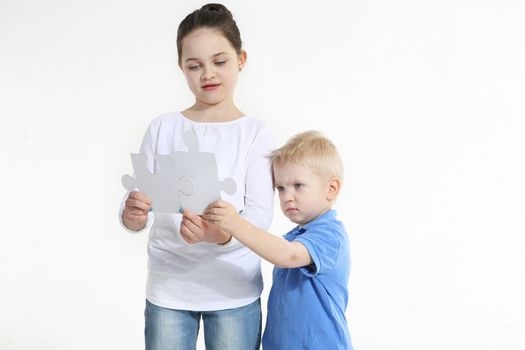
[133, 210]
[190, 234]
[192, 226]
[140, 196]
[136, 219]
[196, 219]
[186, 234]
[139, 200]
[197, 222]
[136, 212]
[135, 204]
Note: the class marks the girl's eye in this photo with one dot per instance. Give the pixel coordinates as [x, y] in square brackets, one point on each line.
[220, 63]
[194, 67]
[279, 188]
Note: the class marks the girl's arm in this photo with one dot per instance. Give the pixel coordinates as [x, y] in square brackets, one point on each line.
[274, 249]
[134, 214]
[258, 196]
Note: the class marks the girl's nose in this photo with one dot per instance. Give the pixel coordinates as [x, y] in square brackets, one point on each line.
[207, 73]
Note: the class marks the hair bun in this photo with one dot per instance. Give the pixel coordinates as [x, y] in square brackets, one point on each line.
[215, 16]
[217, 8]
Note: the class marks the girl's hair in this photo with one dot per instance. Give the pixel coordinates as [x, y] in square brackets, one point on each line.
[215, 16]
[312, 150]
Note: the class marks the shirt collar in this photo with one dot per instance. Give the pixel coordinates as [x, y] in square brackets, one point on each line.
[328, 215]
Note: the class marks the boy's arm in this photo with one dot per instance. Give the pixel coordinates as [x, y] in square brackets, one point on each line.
[194, 229]
[274, 249]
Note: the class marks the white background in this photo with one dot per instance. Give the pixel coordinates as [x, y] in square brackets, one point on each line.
[425, 100]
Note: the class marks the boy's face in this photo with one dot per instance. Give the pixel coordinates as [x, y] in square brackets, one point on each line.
[211, 65]
[303, 194]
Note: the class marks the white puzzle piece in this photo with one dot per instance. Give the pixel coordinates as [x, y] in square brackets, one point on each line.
[162, 188]
[183, 180]
[201, 168]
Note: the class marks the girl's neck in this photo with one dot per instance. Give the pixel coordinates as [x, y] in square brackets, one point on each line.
[212, 114]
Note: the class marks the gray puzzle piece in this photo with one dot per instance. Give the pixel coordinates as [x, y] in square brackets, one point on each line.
[183, 180]
[163, 187]
[201, 168]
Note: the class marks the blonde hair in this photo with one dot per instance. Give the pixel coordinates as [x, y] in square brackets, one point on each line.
[312, 150]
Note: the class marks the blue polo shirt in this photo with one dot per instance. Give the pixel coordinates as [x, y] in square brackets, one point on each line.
[306, 306]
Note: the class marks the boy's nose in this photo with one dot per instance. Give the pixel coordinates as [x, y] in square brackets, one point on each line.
[286, 196]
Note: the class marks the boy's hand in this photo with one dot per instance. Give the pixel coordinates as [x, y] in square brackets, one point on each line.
[223, 214]
[135, 214]
[194, 229]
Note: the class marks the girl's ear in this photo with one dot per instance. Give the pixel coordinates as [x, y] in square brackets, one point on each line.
[241, 59]
[333, 188]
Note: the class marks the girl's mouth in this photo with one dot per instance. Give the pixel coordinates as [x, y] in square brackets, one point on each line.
[210, 87]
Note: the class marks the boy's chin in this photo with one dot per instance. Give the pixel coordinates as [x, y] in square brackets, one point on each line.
[296, 219]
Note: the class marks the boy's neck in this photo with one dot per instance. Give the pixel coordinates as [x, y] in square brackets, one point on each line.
[326, 210]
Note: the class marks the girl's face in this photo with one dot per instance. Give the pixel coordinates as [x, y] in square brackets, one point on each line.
[211, 66]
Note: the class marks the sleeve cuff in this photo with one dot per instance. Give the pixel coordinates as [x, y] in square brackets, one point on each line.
[232, 243]
[313, 269]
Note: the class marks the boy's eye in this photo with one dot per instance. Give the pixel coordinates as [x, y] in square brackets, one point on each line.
[193, 67]
[279, 188]
[219, 63]
[298, 186]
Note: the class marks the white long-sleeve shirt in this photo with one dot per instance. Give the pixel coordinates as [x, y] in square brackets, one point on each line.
[205, 276]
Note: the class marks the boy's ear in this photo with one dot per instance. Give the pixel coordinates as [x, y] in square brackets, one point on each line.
[333, 188]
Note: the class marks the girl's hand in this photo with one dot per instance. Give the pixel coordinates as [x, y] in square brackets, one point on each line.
[194, 229]
[135, 214]
[223, 214]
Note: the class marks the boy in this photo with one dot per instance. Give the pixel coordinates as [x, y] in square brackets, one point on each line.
[309, 294]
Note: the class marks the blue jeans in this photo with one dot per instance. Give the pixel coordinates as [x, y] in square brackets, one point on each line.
[232, 329]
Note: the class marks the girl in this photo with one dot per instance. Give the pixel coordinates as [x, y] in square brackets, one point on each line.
[196, 270]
